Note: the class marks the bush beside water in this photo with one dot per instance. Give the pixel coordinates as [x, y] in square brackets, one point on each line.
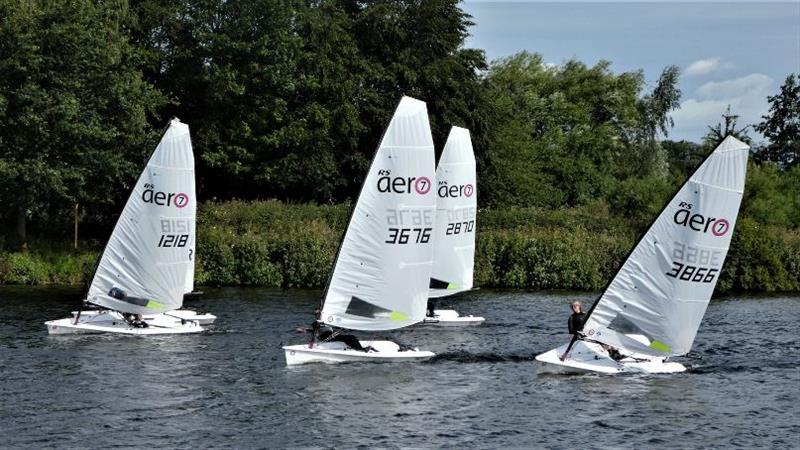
[273, 244]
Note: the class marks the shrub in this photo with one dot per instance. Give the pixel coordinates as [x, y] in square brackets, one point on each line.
[23, 268]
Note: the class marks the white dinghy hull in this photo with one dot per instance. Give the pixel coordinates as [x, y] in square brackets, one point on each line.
[180, 314]
[591, 357]
[338, 352]
[113, 322]
[451, 318]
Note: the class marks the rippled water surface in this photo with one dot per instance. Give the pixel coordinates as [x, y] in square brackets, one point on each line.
[230, 387]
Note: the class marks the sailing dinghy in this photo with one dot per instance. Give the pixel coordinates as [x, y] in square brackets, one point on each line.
[381, 274]
[652, 308]
[454, 235]
[202, 318]
[144, 266]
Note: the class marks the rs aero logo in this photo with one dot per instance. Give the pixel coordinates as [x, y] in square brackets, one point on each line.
[402, 185]
[160, 198]
[699, 222]
[455, 191]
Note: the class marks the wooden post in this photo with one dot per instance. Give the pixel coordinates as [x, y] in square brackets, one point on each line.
[75, 242]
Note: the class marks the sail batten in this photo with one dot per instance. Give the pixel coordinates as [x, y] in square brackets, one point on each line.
[456, 215]
[380, 277]
[144, 267]
[661, 291]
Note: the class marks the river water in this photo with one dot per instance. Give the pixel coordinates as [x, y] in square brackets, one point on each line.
[230, 387]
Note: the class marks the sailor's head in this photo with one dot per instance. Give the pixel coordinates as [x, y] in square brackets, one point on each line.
[317, 313]
[576, 306]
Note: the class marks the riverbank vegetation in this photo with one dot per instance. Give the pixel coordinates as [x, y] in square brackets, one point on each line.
[287, 100]
[274, 244]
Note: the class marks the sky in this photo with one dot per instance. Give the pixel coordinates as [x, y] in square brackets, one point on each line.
[733, 53]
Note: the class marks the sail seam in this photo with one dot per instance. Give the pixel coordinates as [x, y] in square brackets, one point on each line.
[718, 187]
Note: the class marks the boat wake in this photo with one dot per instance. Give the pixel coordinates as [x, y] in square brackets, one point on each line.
[469, 357]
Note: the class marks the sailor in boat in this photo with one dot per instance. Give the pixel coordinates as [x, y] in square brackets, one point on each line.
[575, 325]
[135, 320]
[321, 332]
[431, 307]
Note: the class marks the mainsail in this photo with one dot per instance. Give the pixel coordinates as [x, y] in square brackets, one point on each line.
[380, 278]
[144, 265]
[456, 213]
[663, 288]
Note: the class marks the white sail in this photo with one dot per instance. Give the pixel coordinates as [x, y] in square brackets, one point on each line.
[380, 279]
[456, 214]
[144, 265]
[663, 288]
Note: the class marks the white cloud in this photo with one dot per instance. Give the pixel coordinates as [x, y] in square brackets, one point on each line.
[706, 66]
[747, 96]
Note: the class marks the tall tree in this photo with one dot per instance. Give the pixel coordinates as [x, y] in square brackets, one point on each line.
[287, 99]
[655, 108]
[73, 107]
[728, 127]
[781, 126]
[554, 127]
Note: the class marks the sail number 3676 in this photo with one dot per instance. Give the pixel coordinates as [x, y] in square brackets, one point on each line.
[406, 235]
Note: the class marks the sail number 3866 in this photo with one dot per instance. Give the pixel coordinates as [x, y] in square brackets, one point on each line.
[691, 263]
[695, 274]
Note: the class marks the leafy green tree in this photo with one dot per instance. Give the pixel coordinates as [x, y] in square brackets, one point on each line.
[288, 99]
[782, 126]
[772, 196]
[654, 110]
[683, 157]
[415, 48]
[73, 108]
[561, 133]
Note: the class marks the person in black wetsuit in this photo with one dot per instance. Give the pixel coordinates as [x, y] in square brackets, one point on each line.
[135, 320]
[431, 307]
[323, 332]
[576, 320]
[575, 325]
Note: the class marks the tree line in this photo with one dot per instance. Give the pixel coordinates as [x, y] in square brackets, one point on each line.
[287, 99]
